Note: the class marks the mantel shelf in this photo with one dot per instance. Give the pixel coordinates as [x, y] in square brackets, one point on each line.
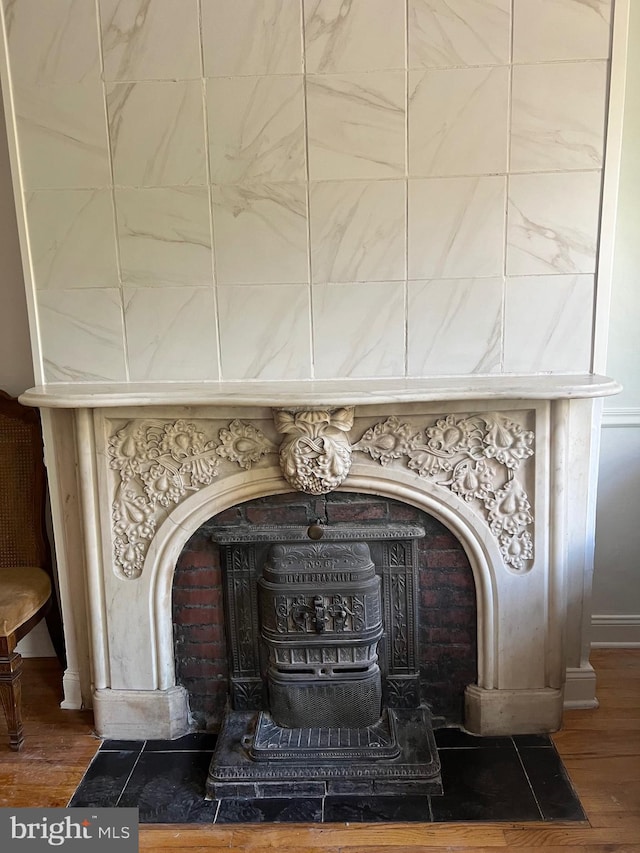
[331, 392]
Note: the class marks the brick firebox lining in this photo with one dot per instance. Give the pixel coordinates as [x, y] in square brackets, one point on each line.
[446, 605]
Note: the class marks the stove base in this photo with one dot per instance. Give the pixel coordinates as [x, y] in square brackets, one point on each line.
[415, 770]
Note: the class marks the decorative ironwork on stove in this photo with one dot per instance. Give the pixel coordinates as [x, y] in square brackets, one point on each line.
[321, 623]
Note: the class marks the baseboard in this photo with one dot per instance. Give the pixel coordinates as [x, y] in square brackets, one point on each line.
[620, 631]
[627, 417]
[580, 688]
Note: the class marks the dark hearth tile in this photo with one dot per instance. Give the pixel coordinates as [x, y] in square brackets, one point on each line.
[532, 740]
[121, 745]
[453, 738]
[376, 809]
[484, 785]
[294, 810]
[194, 742]
[104, 780]
[169, 787]
[551, 784]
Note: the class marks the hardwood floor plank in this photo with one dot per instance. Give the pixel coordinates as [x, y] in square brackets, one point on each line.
[386, 834]
[613, 768]
[551, 837]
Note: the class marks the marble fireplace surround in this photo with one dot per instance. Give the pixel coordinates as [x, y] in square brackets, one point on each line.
[505, 463]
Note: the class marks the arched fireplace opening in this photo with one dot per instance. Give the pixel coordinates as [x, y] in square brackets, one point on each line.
[445, 605]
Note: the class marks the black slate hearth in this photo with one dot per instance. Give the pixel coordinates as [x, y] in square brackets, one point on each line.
[518, 778]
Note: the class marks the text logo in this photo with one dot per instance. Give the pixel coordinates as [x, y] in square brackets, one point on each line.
[70, 829]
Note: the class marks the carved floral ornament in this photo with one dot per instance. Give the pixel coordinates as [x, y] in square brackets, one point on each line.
[477, 457]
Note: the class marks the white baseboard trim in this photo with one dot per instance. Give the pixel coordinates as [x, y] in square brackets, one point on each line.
[621, 631]
[621, 418]
[580, 688]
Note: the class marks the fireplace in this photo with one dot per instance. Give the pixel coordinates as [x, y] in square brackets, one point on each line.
[502, 466]
[352, 283]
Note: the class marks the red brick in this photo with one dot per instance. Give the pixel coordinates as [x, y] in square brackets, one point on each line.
[212, 632]
[202, 669]
[233, 515]
[404, 512]
[201, 559]
[197, 597]
[442, 542]
[204, 577]
[446, 559]
[203, 651]
[187, 617]
[361, 511]
[430, 597]
[278, 515]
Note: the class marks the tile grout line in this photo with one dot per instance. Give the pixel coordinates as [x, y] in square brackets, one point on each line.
[207, 160]
[112, 193]
[406, 188]
[128, 779]
[529, 783]
[305, 130]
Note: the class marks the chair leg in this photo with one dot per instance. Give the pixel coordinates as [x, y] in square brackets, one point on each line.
[11, 697]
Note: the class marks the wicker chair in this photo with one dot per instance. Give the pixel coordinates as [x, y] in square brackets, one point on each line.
[26, 588]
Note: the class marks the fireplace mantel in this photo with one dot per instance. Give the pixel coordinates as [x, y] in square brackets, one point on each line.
[339, 392]
[524, 438]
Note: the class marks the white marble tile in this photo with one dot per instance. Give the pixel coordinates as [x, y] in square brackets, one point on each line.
[455, 326]
[256, 128]
[62, 136]
[52, 42]
[72, 239]
[453, 33]
[81, 335]
[358, 329]
[546, 30]
[458, 119]
[251, 37]
[164, 235]
[558, 116]
[171, 333]
[456, 227]
[358, 230]
[548, 323]
[260, 233]
[265, 332]
[356, 125]
[157, 133]
[360, 35]
[150, 39]
[552, 223]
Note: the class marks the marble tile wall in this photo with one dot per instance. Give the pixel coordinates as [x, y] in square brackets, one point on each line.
[289, 189]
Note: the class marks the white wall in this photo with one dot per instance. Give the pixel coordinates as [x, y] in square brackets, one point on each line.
[616, 590]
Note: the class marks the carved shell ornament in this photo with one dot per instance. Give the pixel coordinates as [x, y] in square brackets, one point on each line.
[315, 455]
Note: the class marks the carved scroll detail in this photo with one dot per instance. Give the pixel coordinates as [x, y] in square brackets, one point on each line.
[159, 464]
[478, 456]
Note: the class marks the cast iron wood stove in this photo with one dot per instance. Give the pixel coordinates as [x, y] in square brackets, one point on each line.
[325, 693]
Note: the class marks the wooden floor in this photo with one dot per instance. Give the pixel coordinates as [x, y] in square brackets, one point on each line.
[600, 748]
